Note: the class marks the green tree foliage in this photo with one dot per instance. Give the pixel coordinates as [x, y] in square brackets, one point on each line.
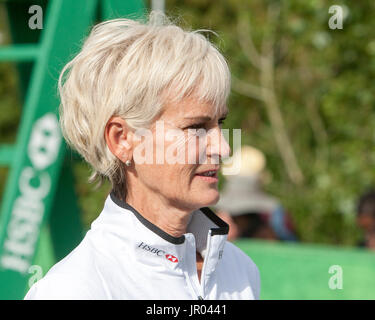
[323, 86]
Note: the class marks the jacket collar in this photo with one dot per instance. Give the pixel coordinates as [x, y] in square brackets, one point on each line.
[206, 233]
[203, 222]
[131, 237]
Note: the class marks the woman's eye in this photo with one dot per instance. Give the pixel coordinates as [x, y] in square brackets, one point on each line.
[196, 126]
[221, 121]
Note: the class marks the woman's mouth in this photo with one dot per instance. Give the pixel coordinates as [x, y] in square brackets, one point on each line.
[209, 175]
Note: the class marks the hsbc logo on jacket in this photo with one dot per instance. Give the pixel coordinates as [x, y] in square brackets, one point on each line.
[157, 252]
[146, 247]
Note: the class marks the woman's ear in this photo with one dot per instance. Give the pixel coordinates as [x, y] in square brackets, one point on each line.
[118, 137]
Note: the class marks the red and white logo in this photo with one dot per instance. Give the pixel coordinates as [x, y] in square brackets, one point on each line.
[171, 258]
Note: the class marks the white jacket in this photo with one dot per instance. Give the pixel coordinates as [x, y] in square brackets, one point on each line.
[125, 256]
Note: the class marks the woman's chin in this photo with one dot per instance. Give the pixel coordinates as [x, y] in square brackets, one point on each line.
[208, 198]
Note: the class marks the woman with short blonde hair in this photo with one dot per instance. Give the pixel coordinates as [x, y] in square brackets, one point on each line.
[143, 103]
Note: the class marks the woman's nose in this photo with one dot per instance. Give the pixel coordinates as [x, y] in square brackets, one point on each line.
[218, 147]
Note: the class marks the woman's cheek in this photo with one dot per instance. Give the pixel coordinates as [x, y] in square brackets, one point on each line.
[196, 150]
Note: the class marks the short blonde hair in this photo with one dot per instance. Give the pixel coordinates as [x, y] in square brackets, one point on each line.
[127, 68]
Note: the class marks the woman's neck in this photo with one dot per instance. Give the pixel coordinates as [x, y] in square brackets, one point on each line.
[155, 209]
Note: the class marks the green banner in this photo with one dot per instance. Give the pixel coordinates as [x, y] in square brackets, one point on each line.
[306, 271]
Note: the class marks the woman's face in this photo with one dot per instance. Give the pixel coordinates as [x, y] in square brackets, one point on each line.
[187, 143]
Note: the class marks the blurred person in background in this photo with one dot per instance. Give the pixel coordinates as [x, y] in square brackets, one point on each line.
[366, 219]
[249, 211]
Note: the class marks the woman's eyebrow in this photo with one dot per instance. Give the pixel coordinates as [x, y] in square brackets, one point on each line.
[207, 118]
[203, 118]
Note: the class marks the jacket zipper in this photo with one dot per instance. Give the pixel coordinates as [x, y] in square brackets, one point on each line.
[197, 293]
[193, 286]
[203, 278]
[203, 274]
[196, 290]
